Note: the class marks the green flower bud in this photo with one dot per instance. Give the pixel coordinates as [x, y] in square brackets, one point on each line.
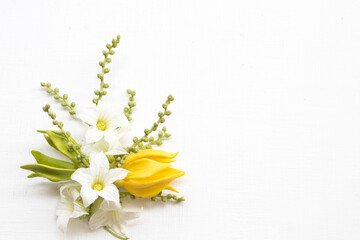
[43, 84]
[170, 98]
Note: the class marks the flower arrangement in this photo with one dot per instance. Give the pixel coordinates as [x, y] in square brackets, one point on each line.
[102, 171]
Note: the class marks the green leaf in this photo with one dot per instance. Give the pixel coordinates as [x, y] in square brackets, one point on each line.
[60, 143]
[33, 175]
[52, 162]
[52, 173]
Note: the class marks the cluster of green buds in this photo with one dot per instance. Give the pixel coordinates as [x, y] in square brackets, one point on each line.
[158, 141]
[131, 104]
[165, 198]
[73, 148]
[63, 98]
[127, 194]
[104, 70]
[139, 143]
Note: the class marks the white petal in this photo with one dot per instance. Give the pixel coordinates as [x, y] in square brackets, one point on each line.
[89, 116]
[83, 176]
[118, 151]
[128, 215]
[70, 189]
[110, 206]
[88, 195]
[99, 165]
[63, 213]
[110, 193]
[64, 208]
[62, 222]
[93, 134]
[110, 135]
[98, 219]
[115, 174]
[118, 121]
[78, 211]
[101, 146]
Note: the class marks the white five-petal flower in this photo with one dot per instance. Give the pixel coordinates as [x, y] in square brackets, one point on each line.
[112, 215]
[103, 122]
[69, 206]
[98, 180]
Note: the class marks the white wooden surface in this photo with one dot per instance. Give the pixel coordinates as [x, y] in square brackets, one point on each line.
[266, 114]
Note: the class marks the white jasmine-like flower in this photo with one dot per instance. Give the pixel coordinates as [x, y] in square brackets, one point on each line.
[103, 122]
[69, 205]
[112, 215]
[98, 180]
[113, 148]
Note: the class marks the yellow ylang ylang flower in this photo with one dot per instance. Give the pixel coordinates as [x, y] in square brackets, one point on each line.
[150, 172]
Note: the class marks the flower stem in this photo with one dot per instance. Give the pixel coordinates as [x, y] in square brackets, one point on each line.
[57, 96]
[115, 234]
[104, 70]
[138, 143]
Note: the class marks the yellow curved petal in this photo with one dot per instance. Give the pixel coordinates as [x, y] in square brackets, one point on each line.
[156, 155]
[143, 168]
[171, 189]
[150, 186]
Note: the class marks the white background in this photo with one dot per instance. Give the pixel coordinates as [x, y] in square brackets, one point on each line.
[266, 114]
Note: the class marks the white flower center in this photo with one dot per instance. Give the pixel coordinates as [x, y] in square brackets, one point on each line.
[101, 125]
[98, 187]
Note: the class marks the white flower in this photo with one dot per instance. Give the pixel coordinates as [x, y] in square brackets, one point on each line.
[69, 206]
[98, 180]
[104, 122]
[112, 215]
[113, 148]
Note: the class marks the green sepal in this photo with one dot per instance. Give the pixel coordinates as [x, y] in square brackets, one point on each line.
[52, 162]
[52, 173]
[60, 143]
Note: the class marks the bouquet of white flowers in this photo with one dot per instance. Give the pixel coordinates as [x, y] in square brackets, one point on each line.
[102, 171]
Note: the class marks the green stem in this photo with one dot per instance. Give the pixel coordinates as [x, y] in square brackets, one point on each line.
[115, 234]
